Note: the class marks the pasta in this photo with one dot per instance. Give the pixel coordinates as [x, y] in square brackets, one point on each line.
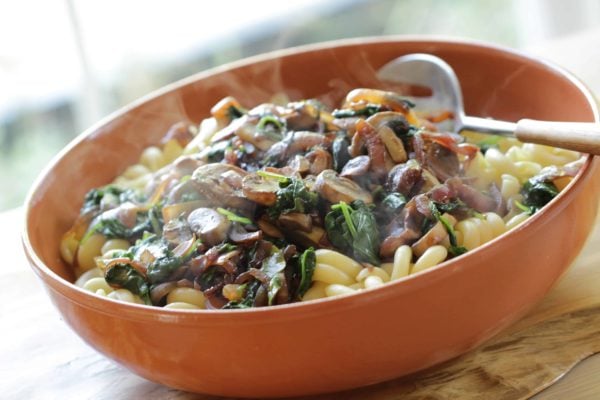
[292, 202]
[372, 277]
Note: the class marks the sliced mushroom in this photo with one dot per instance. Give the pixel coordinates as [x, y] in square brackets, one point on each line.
[317, 237]
[247, 131]
[346, 124]
[335, 188]
[260, 190]
[410, 179]
[296, 221]
[319, 159]
[177, 231]
[357, 166]
[125, 213]
[184, 191]
[267, 109]
[185, 165]
[239, 235]
[393, 144]
[172, 211]
[389, 125]
[180, 131]
[386, 118]
[293, 143]
[269, 229]
[299, 164]
[221, 185]
[209, 225]
[303, 116]
[434, 236]
[304, 140]
[381, 162]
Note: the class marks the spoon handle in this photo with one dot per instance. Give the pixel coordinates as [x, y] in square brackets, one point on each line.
[578, 136]
[487, 125]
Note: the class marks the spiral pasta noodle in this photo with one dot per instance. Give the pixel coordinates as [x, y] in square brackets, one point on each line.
[355, 279]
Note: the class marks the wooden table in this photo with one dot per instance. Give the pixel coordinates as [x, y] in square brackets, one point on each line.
[41, 358]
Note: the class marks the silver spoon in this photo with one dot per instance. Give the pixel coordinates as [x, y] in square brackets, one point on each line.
[433, 72]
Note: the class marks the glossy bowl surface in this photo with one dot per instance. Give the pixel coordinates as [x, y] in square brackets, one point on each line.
[332, 344]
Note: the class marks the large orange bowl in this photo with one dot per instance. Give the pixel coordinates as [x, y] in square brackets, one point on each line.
[330, 344]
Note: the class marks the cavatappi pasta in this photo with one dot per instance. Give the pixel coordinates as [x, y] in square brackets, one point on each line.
[285, 203]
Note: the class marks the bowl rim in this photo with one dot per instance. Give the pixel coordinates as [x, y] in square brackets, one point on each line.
[324, 306]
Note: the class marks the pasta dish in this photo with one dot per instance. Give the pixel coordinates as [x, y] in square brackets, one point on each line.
[291, 202]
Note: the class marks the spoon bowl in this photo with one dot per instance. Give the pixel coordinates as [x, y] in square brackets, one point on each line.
[433, 72]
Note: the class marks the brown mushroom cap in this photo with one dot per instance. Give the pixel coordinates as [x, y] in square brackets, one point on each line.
[336, 188]
[209, 225]
[260, 190]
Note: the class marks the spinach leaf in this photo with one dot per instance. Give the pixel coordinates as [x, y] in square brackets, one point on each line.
[233, 217]
[106, 197]
[338, 225]
[393, 203]
[127, 277]
[437, 209]
[307, 263]
[524, 208]
[208, 278]
[273, 267]
[155, 219]
[456, 206]
[165, 261]
[275, 285]
[536, 193]
[113, 228]
[216, 152]
[292, 196]
[234, 112]
[226, 248]
[353, 229]
[366, 111]
[390, 206]
[273, 264]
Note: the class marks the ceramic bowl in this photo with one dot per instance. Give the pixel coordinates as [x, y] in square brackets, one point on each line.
[338, 343]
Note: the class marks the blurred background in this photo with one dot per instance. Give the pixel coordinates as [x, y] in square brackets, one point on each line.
[64, 64]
